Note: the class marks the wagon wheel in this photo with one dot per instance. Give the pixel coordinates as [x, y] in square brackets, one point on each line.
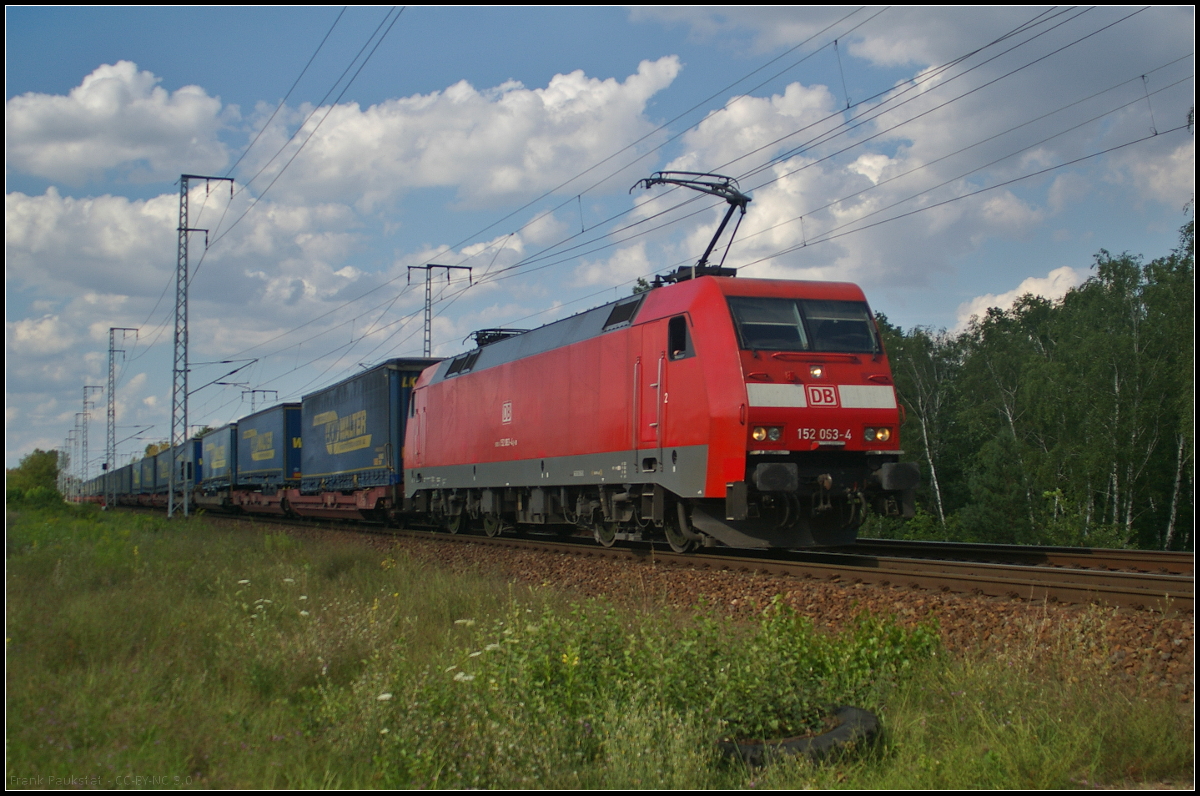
[454, 523]
[676, 531]
[605, 533]
[492, 525]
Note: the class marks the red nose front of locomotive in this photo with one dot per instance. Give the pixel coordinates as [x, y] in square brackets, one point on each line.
[816, 375]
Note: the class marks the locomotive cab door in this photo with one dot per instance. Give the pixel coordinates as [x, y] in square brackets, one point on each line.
[416, 427]
[649, 374]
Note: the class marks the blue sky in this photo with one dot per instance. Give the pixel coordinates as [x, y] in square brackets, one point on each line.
[508, 139]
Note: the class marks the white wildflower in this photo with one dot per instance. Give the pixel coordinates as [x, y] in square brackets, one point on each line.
[475, 654]
[463, 677]
[384, 697]
[243, 582]
[492, 647]
[304, 613]
[303, 596]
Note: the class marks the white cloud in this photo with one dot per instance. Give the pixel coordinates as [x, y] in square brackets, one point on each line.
[544, 229]
[109, 245]
[1067, 189]
[872, 166]
[117, 117]
[502, 142]
[1053, 286]
[1170, 179]
[755, 125]
[626, 264]
[1005, 214]
[64, 246]
[39, 337]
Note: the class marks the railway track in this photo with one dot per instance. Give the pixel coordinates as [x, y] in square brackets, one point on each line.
[1055, 577]
[1143, 580]
[1164, 562]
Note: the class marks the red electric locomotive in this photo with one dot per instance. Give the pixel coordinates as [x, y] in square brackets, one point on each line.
[756, 413]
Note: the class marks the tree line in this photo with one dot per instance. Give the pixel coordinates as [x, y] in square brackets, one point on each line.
[1068, 422]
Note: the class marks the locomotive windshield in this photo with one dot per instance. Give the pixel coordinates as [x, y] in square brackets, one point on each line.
[777, 324]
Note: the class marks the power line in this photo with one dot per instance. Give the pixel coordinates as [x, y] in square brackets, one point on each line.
[544, 254]
[283, 101]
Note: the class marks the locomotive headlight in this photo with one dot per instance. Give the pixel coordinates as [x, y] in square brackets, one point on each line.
[816, 371]
[773, 433]
[877, 434]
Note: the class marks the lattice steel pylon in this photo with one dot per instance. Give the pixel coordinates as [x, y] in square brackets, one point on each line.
[179, 385]
[74, 437]
[87, 419]
[428, 269]
[110, 450]
[64, 467]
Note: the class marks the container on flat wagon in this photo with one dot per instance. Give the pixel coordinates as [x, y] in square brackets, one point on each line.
[162, 470]
[268, 449]
[192, 468]
[124, 484]
[145, 471]
[185, 470]
[353, 432]
[218, 457]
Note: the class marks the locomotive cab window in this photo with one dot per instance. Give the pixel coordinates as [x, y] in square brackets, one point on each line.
[775, 324]
[843, 326]
[679, 342]
[768, 323]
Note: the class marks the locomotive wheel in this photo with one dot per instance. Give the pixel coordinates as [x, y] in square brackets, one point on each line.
[606, 533]
[492, 525]
[675, 538]
[454, 523]
[677, 535]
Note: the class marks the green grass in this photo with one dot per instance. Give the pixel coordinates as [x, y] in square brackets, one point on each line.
[229, 656]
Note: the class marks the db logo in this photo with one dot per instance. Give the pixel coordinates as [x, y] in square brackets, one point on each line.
[822, 395]
[506, 412]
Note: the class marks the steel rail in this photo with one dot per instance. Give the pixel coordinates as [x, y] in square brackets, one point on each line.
[1089, 558]
[1168, 593]
[1142, 591]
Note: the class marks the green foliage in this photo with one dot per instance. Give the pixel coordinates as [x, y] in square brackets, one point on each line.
[569, 694]
[226, 657]
[1089, 401]
[33, 496]
[1030, 718]
[155, 448]
[34, 480]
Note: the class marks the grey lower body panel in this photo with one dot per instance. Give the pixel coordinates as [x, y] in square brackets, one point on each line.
[680, 470]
